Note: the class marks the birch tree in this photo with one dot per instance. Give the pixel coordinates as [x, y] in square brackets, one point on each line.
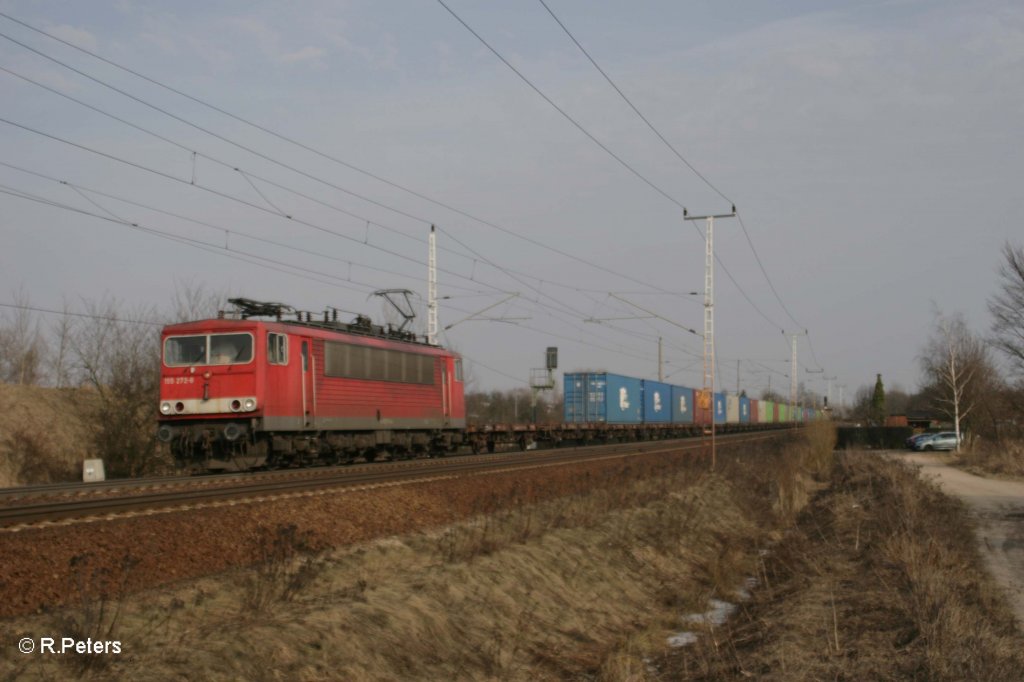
[957, 365]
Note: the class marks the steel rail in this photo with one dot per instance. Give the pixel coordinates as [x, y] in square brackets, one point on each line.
[421, 470]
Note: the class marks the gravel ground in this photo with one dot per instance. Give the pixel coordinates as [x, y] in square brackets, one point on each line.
[60, 565]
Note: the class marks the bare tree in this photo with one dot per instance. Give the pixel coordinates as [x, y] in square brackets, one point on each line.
[22, 347]
[60, 357]
[861, 409]
[1007, 307]
[958, 368]
[897, 400]
[117, 355]
[194, 302]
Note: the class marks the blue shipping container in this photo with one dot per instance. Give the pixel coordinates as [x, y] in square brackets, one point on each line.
[682, 405]
[744, 410]
[657, 402]
[719, 414]
[603, 397]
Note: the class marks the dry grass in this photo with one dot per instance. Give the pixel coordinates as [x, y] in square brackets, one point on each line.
[872, 574]
[880, 580]
[42, 439]
[283, 566]
[1002, 458]
[586, 584]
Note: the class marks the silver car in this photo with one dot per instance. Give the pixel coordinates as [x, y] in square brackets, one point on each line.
[945, 440]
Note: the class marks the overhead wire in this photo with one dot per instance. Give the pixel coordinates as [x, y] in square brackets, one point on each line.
[207, 246]
[678, 155]
[271, 264]
[68, 313]
[604, 147]
[275, 209]
[248, 176]
[194, 153]
[297, 143]
[218, 193]
[289, 167]
[212, 247]
[633, 107]
[218, 228]
[300, 271]
[560, 110]
[280, 266]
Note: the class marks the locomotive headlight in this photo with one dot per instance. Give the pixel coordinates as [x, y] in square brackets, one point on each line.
[249, 405]
[166, 408]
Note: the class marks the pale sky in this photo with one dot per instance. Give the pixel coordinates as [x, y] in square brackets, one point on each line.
[873, 150]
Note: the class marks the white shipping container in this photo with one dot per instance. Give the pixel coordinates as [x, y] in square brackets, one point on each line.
[732, 409]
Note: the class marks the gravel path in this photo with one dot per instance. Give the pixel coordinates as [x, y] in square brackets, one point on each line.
[999, 507]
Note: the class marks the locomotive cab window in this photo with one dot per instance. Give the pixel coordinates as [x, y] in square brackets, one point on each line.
[277, 349]
[230, 349]
[181, 351]
[213, 349]
[458, 370]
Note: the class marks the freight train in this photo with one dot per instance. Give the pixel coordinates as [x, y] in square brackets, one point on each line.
[266, 386]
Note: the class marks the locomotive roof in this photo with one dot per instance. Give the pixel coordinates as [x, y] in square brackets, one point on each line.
[247, 309]
[319, 329]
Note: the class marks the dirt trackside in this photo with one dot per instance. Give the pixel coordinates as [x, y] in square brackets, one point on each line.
[998, 507]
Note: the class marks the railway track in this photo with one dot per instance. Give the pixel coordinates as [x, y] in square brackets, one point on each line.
[59, 504]
[77, 490]
[54, 492]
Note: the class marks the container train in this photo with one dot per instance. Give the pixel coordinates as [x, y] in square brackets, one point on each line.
[608, 398]
[266, 386]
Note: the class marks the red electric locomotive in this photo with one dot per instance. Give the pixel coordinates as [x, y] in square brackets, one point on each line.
[241, 393]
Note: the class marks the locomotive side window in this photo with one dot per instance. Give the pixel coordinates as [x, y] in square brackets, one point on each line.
[277, 349]
[458, 370]
[181, 351]
[230, 349]
[349, 361]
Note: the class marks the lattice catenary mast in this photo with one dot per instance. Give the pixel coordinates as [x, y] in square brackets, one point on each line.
[432, 289]
[708, 397]
[793, 375]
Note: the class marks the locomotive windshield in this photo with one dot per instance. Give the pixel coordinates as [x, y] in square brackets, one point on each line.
[208, 349]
